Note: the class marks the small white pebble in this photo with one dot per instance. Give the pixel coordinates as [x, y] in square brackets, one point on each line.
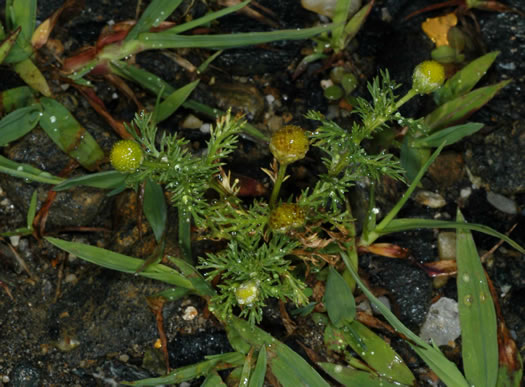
[205, 128]
[5, 379]
[269, 98]
[465, 192]
[190, 313]
[14, 240]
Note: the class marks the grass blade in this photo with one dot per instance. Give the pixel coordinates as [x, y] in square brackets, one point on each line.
[32, 210]
[32, 76]
[449, 135]
[338, 299]
[174, 101]
[16, 98]
[104, 180]
[257, 378]
[182, 374]
[403, 224]
[121, 262]
[444, 368]
[207, 18]
[465, 79]
[477, 315]
[167, 39]
[156, 12]
[155, 208]
[350, 377]
[462, 106]
[69, 135]
[8, 43]
[289, 368]
[18, 123]
[374, 351]
[26, 171]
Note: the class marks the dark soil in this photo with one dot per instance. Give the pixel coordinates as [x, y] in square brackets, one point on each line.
[70, 323]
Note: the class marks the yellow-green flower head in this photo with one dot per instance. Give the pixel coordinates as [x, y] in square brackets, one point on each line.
[289, 144]
[286, 217]
[126, 156]
[247, 292]
[428, 76]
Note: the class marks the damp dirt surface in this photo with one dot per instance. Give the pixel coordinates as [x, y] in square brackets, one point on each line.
[66, 322]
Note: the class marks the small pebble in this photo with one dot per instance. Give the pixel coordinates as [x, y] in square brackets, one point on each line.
[447, 245]
[442, 322]
[124, 358]
[70, 278]
[430, 199]
[192, 122]
[190, 313]
[14, 240]
[502, 203]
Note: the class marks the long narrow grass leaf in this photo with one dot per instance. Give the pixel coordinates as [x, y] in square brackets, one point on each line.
[174, 101]
[477, 314]
[403, 224]
[18, 123]
[8, 43]
[444, 368]
[167, 39]
[31, 210]
[350, 377]
[156, 12]
[193, 371]
[26, 171]
[104, 180]
[69, 135]
[121, 262]
[207, 18]
[257, 378]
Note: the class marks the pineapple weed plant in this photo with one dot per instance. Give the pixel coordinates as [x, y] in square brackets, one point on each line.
[276, 247]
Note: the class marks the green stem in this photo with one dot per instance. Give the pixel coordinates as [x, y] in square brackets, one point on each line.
[411, 93]
[277, 185]
[185, 233]
[351, 246]
[370, 237]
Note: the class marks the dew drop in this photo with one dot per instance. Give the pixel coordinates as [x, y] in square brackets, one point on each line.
[53, 119]
[465, 277]
[467, 300]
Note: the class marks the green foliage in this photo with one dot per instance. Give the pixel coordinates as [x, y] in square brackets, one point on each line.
[248, 258]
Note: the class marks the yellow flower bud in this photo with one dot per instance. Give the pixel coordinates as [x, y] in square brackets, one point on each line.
[286, 217]
[289, 144]
[126, 156]
[247, 292]
[428, 76]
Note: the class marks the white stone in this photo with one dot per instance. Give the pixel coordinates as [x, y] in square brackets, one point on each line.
[442, 322]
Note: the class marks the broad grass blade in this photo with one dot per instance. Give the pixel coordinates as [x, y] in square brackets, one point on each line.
[123, 263]
[290, 369]
[374, 351]
[477, 315]
[350, 377]
[32, 76]
[444, 368]
[465, 79]
[155, 208]
[338, 299]
[69, 135]
[8, 43]
[463, 106]
[18, 123]
[213, 380]
[16, 98]
[449, 135]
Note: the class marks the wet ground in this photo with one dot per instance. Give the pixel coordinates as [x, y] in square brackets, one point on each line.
[71, 323]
